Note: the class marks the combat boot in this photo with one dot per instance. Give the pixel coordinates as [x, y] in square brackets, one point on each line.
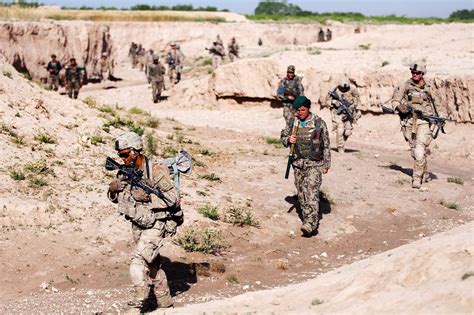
[416, 183]
[307, 230]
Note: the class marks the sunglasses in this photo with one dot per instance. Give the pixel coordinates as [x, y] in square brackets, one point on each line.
[124, 154]
[416, 72]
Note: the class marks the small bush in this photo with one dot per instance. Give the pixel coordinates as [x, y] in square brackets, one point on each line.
[18, 140]
[37, 167]
[207, 62]
[385, 63]
[97, 139]
[138, 130]
[107, 109]
[179, 137]
[152, 123]
[209, 212]
[365, 47]
[206, 240]
[90, 101]
[39, 182]
[137, 111]
[17, 174]
[210, 177]
[232, 278]
[169, 151]
[44, 137]
[240, 217]
[449, 204]
[217, 267]
[456, 180]
[274, 141]
[150, 146]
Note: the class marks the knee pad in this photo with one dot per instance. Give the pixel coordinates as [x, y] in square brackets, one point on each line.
[138, 272]
[419, 152]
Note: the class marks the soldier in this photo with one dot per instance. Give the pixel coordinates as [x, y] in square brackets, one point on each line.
[152, 219]
[218, 53]
[312, 159]
[219, 40]
[155, 76]
[321, 35]
[132, 53]
[341, 119]
[74, 78]
[148, 60]
[412, 101]
[289, 89]
[141, 58]
[54, 67]
[175, 61]
[233, 49]
[105, 69]
[328, 35]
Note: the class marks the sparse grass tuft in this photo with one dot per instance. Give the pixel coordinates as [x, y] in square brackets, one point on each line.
[456, 180]
[37, 167]
[71, 280]
[7, 73]
[365, 47]
[207, 240]
[152, 123]
[39, 182]
[209, 212]
[467, 275]
[217, 267]
[316, 302]
[240, 217]
[169, 151]
[232, 278]
[97, 139]
[313, 51]
[385, 63]
[207, 62]
[210, 177]
[206, 152]
[90, 101]
[324, 197]
[449, 204]
[137, 111]
[44, 137]
[17, 174]
[150, 144]
[274, 141]
[107, 109]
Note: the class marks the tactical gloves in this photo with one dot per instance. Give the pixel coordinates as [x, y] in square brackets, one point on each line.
[116, 185]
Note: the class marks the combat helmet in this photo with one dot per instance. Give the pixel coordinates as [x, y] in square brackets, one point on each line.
[290, 69]
[128, 140]
[419, 65]
[344, 83]
[155, 57]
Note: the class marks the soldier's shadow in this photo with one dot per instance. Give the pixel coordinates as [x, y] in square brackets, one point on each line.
[180, 275]
[324, 206]
[346, 150]
[406, 171]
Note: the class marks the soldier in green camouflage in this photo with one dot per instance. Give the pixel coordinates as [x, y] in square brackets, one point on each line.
[152, 219]
[312, 159]
[74, 77]
[289, 89]
[341, 121]
[415, 98]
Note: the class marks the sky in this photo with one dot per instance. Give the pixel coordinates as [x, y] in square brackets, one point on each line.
[409, 8]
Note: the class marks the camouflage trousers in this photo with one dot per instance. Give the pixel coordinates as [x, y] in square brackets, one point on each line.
[73, 89]
[145, 267]
[156, 89]
[342, 127]
[308, 180]
[216, 61]
[419, 141]
[288, 113]
[174, 74]
[54, 82]
[232, 57]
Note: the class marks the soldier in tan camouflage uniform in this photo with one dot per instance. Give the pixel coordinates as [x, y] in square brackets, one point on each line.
[341, 121]
[155, 75]
[312, 159]
[233, 50]
[74, 78]
[152, 219]
[289, 89]
[105, 68]
[413, 99]
[175, 61]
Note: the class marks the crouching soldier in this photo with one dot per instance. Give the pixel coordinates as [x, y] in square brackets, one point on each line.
[152, 219]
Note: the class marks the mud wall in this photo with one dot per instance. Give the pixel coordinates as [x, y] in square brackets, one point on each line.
[28, 46]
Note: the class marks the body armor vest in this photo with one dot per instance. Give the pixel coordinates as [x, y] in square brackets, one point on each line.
[308, 144]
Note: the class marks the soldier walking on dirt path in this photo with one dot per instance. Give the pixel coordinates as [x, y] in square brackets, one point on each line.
[155, 76]
[233, 49]
[175, 61]
[54, 67]
[289, 89]
[321, 35]
[74, 78]
[312, 158]
[414, 101]
[328, 35]
[217, 52]
[132, 53]
[343, 118]
[152, 219]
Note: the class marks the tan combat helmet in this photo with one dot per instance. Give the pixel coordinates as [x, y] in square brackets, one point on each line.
[128, 140]
[290, 69]
[344, 83]
[419, 65]
[155, 57]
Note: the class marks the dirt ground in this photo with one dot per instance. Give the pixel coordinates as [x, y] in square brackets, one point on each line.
[75, 257]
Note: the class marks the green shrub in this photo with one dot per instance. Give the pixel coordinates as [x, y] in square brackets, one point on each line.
[240, 217]
[232, 278]
[456, 180]
[169, 151]
[209, 212]
[17, 174]
[385, 63]
[207, 240]
[137, 111]
[150, 146]
[39, 182]
[96, 139]
[207, 62]
[44, 137]
[152, 123]
[90, 101]
[107, 109]
[276, 142]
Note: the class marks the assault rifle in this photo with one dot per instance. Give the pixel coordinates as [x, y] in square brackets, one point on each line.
[135, 179]
[344, 106]
[294, 130]
[436, 120]
[215, 52]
